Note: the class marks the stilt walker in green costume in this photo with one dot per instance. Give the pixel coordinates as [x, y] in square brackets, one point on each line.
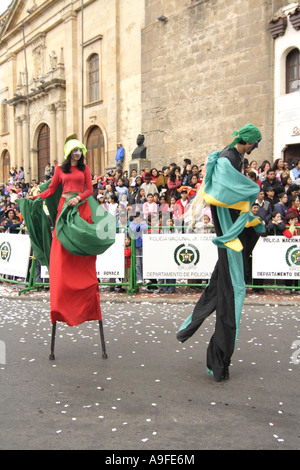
[230, 194]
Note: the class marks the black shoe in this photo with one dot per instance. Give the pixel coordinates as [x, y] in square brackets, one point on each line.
[224, 375]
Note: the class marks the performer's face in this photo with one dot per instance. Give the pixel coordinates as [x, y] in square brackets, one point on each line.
[248, 148]
[76, 154]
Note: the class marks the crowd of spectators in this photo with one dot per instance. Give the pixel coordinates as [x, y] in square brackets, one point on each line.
[278, 196]
[157, 200]
[159, 197]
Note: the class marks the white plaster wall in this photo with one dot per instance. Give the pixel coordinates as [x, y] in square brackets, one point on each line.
[286, 106]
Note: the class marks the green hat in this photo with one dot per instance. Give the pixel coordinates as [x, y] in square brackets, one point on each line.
[248, 133]
[73, 144]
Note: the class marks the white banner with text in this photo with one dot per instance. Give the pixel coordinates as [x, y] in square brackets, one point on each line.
[276, 258]
[178, 256]
[14, 254]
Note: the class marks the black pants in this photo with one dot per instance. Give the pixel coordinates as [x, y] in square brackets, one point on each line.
[219, 296]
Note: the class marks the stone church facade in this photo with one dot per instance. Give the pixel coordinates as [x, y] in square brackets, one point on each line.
[184, 73]
[83, 64]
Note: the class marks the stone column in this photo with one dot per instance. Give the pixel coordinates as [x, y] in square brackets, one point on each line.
[61, 129]
[19, 143]
[71, 45]
[53, 134]
[26, 157]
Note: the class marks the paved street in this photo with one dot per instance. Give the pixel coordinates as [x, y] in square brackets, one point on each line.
[152, 393]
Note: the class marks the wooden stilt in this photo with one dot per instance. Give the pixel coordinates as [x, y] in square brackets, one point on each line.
[52, 356]
[104, 355]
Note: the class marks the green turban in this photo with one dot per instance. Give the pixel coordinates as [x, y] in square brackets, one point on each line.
[73, 144]
[248, 133]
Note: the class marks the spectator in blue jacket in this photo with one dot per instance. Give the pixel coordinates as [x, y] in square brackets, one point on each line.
[138, 227]
[295, 172]
[281, 206]
[120, 156]
[264, 207]
[122, 189]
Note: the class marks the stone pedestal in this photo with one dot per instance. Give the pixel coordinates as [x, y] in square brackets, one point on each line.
[138, 164]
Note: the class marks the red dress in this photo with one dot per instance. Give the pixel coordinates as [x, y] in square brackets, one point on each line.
[74, 288]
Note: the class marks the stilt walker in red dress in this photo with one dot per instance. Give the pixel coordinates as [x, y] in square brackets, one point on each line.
[74, 287]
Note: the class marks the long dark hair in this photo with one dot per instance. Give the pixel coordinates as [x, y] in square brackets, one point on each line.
[172, 173]
[67, 164]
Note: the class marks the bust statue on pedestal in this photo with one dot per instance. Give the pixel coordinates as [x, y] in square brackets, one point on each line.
[140, 151]
[139, 159]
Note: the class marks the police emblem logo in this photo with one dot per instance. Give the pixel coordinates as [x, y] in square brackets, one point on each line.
[5, 251]
[293, 257]
[186, 256]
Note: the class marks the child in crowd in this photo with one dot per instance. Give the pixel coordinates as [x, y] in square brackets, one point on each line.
[205, 224]
[276, 225]
[153, 223]
[138, 227]
[291, 223]
[113, 205]
[122, 189]
[127, 253]
[289, 232]
[172, 204]
[168, 222]
[100, 199]
[269, 196]
[163, 205]
[180, 208]
[124, 201]
[149, 207]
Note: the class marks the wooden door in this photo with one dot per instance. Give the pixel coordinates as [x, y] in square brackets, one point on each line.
[95, 151]
[292, 153]
[43, 151]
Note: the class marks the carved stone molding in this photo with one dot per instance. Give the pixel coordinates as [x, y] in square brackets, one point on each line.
[278, 26]
[295, 19]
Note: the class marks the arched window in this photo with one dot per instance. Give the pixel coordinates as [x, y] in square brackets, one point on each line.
[93, 64]
[293, 71]
[43, 151]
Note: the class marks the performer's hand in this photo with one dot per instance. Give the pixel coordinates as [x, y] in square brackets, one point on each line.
[73, 201]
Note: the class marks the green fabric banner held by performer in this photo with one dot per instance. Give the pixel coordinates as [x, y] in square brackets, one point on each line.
[231, 195]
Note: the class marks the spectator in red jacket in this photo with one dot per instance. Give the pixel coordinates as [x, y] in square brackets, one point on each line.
[127, 252]
[180, 208]
[294, 207]
[291, 223]
[174, 182]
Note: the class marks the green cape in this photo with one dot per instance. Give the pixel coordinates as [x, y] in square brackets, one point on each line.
[38, 227]
[227, 188]
[75, 234]
[81, 238]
